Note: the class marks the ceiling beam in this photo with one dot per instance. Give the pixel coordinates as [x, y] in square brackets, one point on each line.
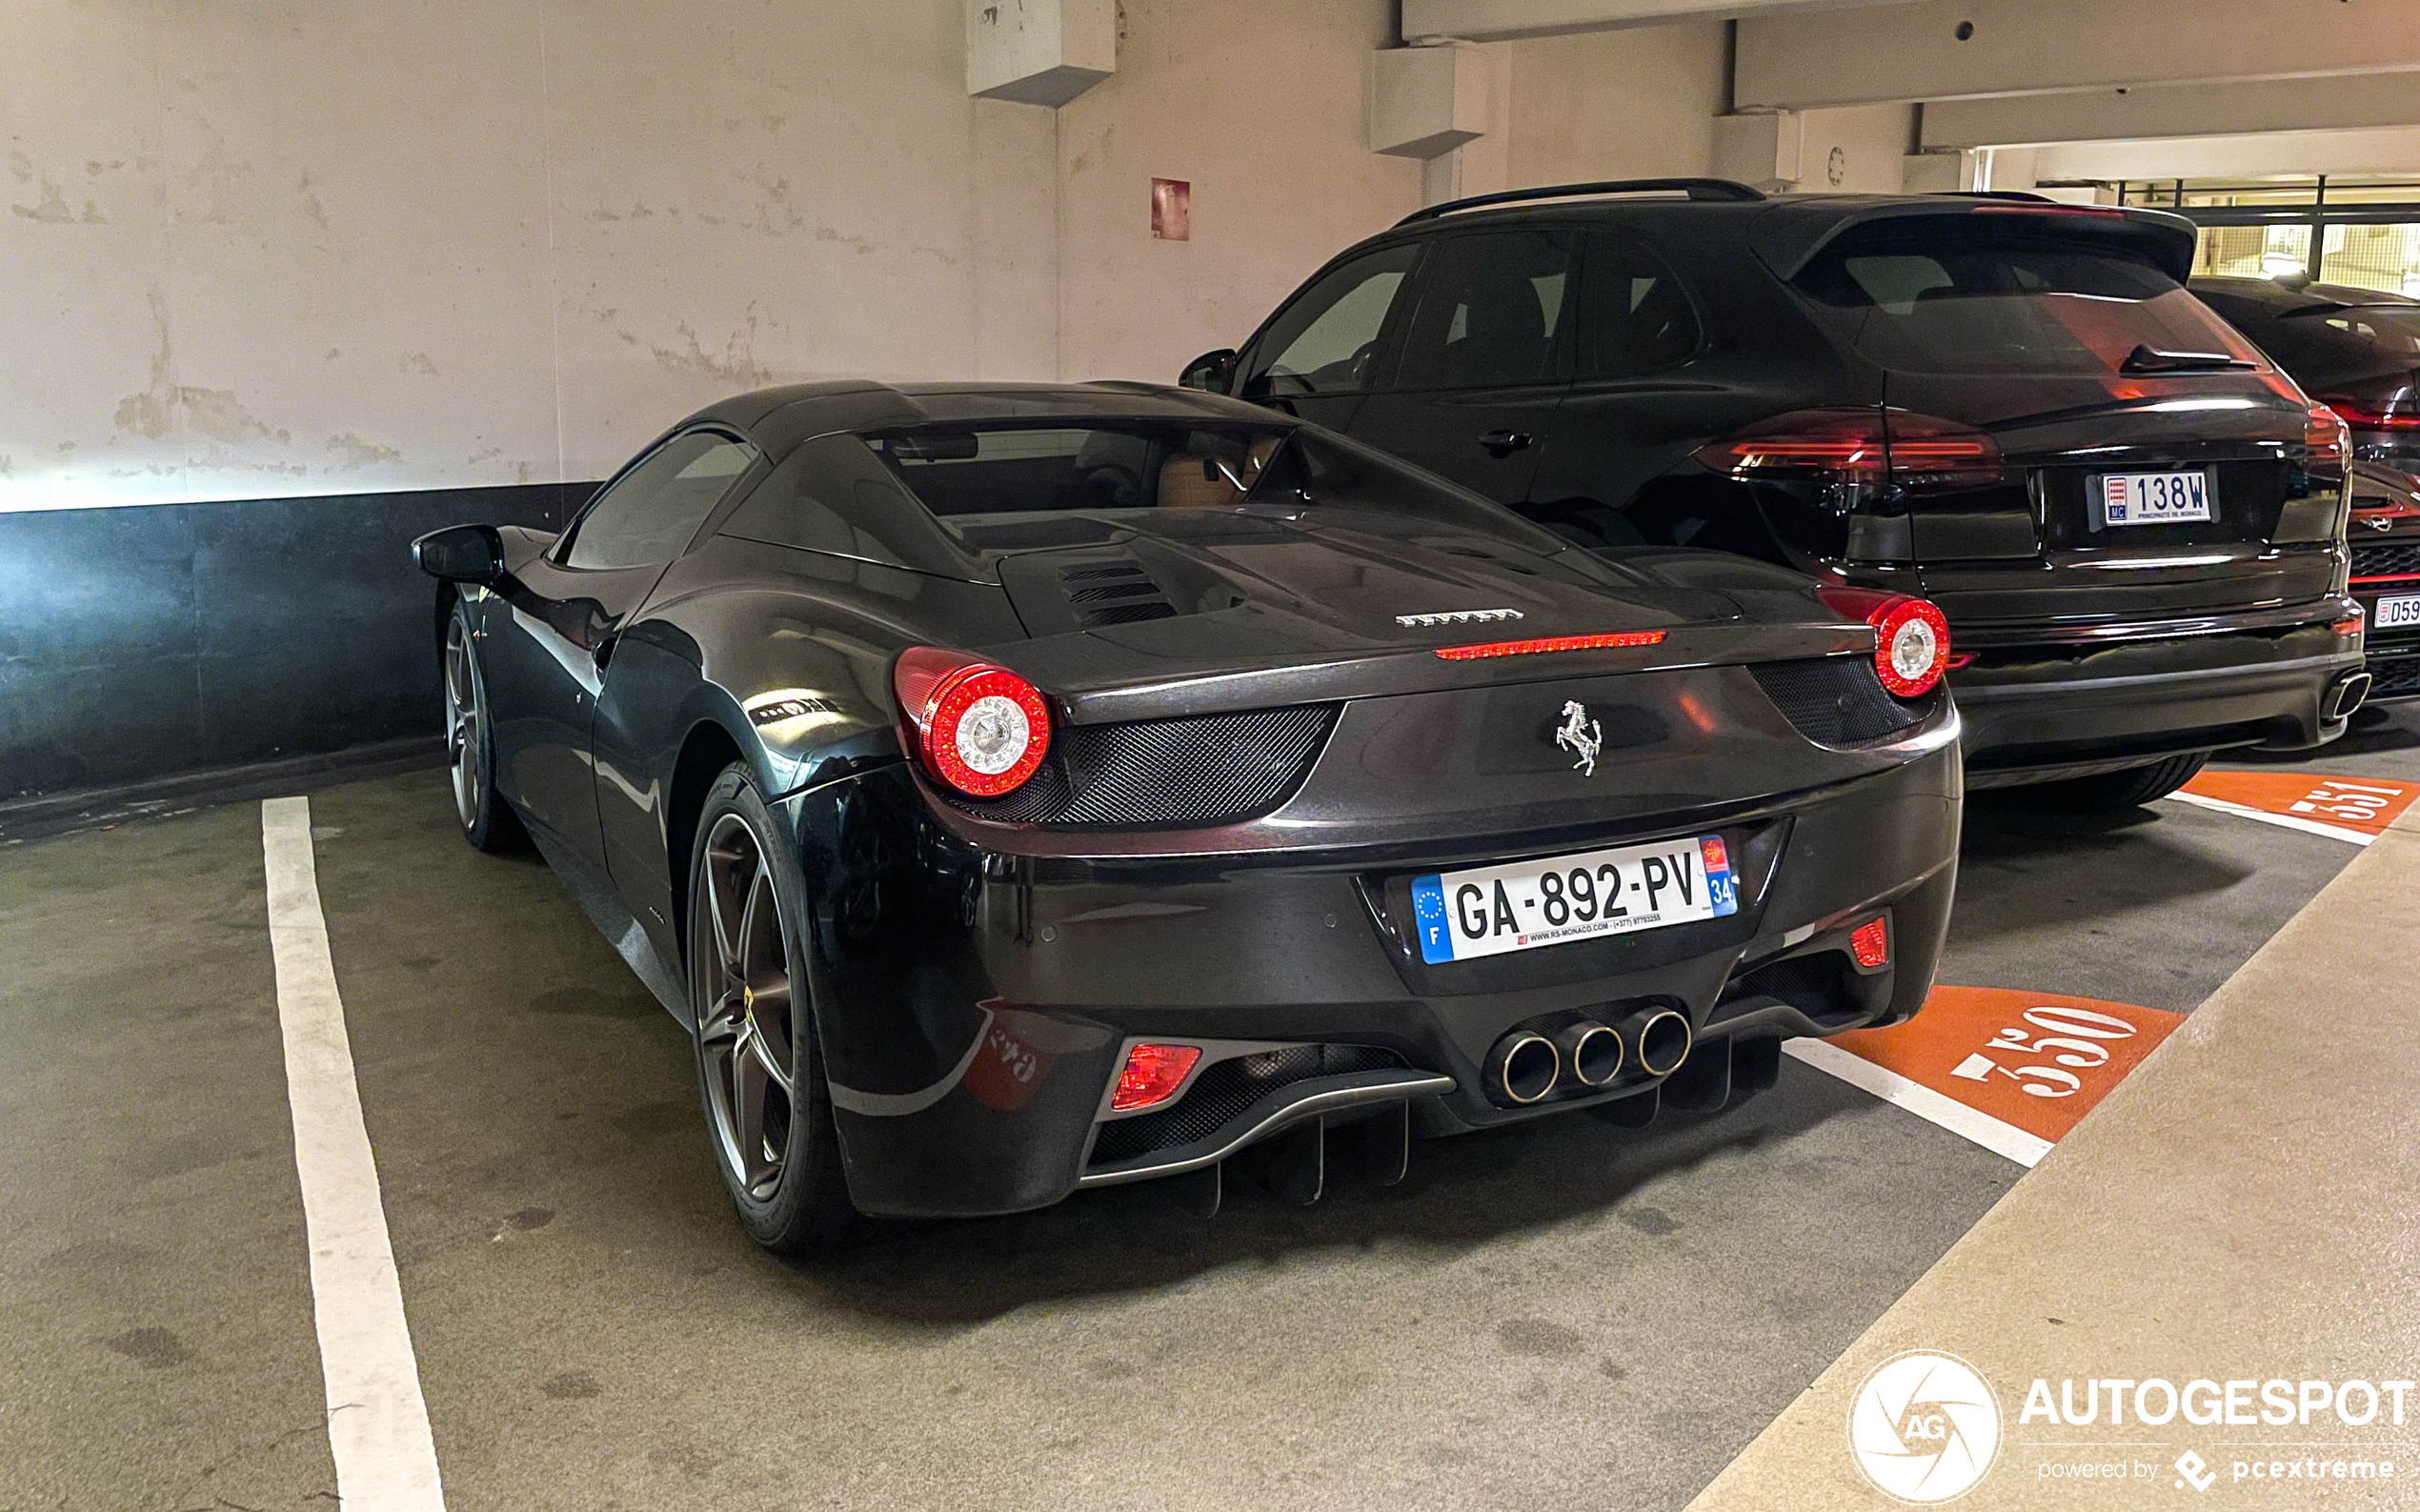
[1502, 20]
[1810, 60]
[2389, 150]
[2356, 102]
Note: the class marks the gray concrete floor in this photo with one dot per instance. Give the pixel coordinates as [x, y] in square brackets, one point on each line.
[2244, 1198]
[1565, 1314]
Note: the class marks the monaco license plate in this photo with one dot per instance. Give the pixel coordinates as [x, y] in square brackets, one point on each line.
[2396, 613]
[2154, 498]
[1527, 905]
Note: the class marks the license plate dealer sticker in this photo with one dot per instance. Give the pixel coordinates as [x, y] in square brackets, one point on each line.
[1490, 909]
[2397, 613]
[2154, 498]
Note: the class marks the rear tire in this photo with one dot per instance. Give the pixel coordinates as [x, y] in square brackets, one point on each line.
[487, 822]
[2128, 789]
[759, 1072]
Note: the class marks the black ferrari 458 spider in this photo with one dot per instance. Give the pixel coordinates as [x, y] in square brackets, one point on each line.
[1024, 789]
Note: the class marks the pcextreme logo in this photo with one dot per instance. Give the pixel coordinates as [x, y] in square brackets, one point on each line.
[1924, 1427]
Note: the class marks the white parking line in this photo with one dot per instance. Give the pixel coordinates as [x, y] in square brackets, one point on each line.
[2334, 832]
[378, 1421]
[1995, 1135]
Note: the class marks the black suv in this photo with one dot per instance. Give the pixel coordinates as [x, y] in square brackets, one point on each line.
[2359, 352]
[2134, 522]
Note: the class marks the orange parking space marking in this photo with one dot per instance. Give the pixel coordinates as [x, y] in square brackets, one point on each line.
[2036, 1060]
[2366, 805]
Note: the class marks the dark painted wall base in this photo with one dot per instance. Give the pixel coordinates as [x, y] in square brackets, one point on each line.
[147, 640]
[77, 809]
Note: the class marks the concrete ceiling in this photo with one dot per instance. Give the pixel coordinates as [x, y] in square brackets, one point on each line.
[1502, 20]
[2101, 89]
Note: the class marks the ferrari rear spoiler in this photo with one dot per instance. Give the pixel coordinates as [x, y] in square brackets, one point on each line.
[1791, 233]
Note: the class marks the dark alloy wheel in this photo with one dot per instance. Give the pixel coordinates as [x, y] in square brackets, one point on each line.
[487, 822]
[2128, 789]
[766, 1105]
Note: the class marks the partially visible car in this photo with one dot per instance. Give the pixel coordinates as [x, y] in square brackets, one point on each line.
[1020, 789]
[2134, 522]
[2357, 351]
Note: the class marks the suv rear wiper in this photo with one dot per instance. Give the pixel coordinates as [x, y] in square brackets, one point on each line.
[2148, 359]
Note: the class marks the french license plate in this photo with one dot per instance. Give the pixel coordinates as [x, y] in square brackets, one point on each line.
[2154, 498]
[1490, 909]
[2396, 613]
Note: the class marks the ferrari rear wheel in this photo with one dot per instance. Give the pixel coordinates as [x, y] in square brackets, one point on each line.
[488, 822]
[758, 1075]
[2128, 789]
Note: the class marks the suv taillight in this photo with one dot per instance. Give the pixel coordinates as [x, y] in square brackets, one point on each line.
[1860, 447]
[2362, 417]
[2326, 440]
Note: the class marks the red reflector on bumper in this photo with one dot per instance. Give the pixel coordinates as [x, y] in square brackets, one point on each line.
[1872, 943]
[1532, 648]
[1152, 1074]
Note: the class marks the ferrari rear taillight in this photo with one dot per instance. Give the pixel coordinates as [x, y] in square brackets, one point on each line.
[1152, 1074]
[1860, 447]
[1911, 636]
[982, 729]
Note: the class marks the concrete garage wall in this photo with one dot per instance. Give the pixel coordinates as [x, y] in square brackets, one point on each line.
[359, 269]
[1857, 150]
[1630, 104]
[1259, 105]
[293, 280]
[262, 248]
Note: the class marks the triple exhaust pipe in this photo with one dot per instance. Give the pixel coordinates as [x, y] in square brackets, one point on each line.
[1526, 1066]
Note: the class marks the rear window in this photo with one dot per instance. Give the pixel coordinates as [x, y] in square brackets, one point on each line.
[1021, 469]
[978, 473]
[2332, 346]
[2392, 329]
[1952, 300]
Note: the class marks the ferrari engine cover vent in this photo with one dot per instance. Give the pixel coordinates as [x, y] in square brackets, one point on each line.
[1114, 594]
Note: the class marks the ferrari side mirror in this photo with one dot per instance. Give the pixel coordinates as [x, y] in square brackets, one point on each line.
[1212, 370]
[461, 554]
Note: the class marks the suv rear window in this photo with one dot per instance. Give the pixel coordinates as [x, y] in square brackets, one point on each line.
[2327, 345]
[1947, 298]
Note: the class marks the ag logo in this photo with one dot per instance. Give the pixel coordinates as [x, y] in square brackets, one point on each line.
[1924, 1427]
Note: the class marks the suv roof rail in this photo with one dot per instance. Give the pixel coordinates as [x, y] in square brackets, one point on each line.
[1713, 189]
